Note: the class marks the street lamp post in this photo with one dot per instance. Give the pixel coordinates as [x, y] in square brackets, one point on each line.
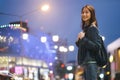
[43, 8]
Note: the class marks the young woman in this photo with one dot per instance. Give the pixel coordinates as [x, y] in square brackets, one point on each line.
[87, 42]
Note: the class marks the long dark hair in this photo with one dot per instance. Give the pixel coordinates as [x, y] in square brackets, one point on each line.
[93, 17]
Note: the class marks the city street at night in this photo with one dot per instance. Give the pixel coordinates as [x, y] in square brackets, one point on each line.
[37, 39]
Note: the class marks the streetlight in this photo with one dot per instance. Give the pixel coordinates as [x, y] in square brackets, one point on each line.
[43, 39]
[71, 48]
[43, 8]
[55, 38]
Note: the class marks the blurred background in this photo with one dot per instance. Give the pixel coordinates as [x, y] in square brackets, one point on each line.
[37, 38]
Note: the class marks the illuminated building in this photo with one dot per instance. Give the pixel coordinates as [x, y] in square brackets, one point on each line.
[114, 50]
[25, 56]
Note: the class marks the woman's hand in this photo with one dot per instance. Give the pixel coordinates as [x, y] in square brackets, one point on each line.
[81, 35]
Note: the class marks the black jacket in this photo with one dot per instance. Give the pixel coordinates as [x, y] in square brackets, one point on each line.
[88, 44]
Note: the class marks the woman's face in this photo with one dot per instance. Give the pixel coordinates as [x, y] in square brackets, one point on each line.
[86, 15]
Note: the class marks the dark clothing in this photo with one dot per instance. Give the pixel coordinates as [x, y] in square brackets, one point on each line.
[87, 48]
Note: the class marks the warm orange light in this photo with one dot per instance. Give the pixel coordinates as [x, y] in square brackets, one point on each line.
[108, 72]
[119, 53]
[62, 65]
[45, 7]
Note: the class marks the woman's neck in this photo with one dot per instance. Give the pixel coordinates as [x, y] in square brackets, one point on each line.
[87, 23]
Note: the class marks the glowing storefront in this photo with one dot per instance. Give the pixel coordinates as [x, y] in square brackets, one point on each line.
[114, 50]
[24, 56]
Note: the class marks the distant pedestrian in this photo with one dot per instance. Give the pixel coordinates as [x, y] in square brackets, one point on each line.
[86, 42]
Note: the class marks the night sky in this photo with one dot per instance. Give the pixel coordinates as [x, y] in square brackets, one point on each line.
[63, 17]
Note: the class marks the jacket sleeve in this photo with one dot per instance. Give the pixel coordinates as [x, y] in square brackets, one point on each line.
[91, 40]
[78, 42]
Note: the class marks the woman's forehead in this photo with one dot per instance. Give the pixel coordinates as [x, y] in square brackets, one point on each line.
[85, 9]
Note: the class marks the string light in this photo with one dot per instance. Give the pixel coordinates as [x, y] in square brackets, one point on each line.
[12, 26]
